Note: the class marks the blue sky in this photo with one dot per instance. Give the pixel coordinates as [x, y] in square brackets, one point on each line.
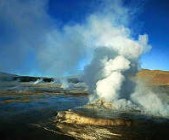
[155, 18]
[21, 27]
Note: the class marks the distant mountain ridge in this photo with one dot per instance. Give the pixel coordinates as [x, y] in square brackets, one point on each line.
[20, 78]
[13, 77]
[154, 77]
[6, 76]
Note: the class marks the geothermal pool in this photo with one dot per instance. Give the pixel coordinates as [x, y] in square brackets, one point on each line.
[29, 111]
[32, 116]
[28, 116]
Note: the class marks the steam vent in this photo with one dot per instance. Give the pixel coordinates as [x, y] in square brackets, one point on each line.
[98, 120]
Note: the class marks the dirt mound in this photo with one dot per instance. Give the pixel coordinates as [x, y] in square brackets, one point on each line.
[73, 117]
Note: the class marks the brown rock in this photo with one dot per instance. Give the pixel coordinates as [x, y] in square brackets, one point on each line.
[71, 117]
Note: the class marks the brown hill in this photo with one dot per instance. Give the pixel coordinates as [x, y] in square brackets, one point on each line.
[154, 77]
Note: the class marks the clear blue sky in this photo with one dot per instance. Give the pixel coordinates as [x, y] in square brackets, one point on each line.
[155, 18]
[16, 57]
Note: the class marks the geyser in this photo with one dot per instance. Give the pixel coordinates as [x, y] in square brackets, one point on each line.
[115, 62]
[110, 75]
[104, 41]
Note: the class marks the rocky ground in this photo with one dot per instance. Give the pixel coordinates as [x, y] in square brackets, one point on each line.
[92, 121]
[98, 123]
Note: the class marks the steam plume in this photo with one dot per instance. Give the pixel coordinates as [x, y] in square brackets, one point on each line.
[104, 41]
[115, 63]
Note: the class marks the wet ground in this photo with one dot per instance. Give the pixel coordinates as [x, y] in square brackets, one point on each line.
[28, 111]
[136, 127]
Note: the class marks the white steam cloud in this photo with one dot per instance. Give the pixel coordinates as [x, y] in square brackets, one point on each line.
[103, 40]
